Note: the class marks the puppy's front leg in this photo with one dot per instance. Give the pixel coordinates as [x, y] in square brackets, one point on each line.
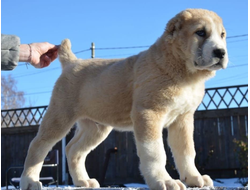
[180, 139]
[148, 132]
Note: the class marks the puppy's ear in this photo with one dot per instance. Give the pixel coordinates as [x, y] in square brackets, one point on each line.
[176, 23]
[173, 25]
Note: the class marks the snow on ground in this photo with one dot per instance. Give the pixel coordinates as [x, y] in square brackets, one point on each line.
[232, 182]
[136, 185]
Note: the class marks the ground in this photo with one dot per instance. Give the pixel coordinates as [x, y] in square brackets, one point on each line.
[220, 184]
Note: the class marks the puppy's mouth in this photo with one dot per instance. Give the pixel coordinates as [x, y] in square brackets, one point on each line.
[216, 66]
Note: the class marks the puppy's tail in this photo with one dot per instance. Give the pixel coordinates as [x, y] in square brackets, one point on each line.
[66, 56]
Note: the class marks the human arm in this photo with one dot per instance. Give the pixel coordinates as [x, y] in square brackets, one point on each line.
[37, 54]
[9, 51]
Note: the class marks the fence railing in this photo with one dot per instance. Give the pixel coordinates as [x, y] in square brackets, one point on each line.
[225, 98]
[215, 98]
[22, 116]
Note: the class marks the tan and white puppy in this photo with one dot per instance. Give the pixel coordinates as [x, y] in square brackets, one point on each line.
[158, 88]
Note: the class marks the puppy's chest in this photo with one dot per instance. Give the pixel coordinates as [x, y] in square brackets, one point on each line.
[187, 100]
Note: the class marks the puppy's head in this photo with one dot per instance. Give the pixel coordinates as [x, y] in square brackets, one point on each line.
[198, 36]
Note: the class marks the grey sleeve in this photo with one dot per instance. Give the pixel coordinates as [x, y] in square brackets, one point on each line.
[9, 51]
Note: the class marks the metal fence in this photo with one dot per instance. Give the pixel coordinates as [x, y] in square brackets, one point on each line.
[22, 116]
[225, 98]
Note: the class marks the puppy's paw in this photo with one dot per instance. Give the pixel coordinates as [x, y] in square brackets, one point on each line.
[194, 181]
[90, 183]
[208, 181]
[27, 183]
[93, 183]
[169, 185]
[199, 181]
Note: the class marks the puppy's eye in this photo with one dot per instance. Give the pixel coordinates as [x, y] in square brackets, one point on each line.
[222, 35]
[201, 33]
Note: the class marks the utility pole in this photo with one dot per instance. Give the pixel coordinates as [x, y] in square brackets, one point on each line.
[92, 50]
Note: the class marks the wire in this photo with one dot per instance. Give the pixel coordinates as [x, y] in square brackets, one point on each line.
[133, 47]
[238, 76]
[146, 46]
[238, 36]
[82, 51]
[239, 56]
[21, 64]
[24, 75]
[28, 94]
[237, 66]
[237, 41]
[117, 55]
[229, 81]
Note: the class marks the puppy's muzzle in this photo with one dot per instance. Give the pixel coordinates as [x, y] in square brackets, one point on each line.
[219, 53]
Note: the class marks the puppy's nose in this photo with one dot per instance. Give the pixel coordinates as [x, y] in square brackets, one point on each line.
[220, 53]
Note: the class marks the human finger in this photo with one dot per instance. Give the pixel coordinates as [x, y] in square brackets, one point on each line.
[44, 47]
[44, 61]
[49, 46]
[52, 54]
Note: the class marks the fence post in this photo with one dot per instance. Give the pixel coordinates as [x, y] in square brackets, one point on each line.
[92, 50]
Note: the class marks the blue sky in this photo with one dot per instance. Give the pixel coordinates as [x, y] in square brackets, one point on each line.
[112, 23]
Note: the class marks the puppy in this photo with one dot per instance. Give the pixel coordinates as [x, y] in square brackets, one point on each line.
[158, 88]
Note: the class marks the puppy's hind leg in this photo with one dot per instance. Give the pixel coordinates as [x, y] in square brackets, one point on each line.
[88, 136]
[55, 125]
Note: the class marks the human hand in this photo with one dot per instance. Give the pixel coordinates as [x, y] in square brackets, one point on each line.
[39, 55]
[43, 54]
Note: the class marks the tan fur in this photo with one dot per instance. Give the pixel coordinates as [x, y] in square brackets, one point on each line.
[160, 87]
